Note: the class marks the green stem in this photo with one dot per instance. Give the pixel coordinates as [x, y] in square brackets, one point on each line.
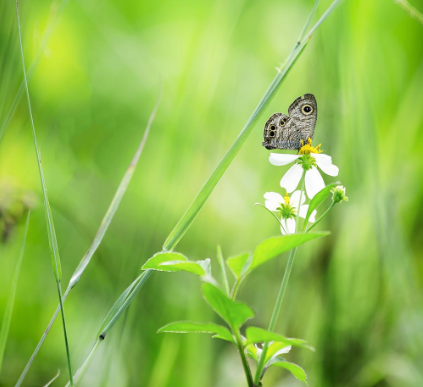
[223, 269]
[413, 12]
[59, 290]
[302, 183]
[244, 360]
[235, 288]
[49, 218]
[277, 219]
[323, 215]
[276, 311]
[282, 291]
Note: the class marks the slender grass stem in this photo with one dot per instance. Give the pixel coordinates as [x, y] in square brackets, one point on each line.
[50, 226]
[321, 217]
[413, 12]
[76, 276]
[188, 217]
[244, 361]
[223, 269]
[277, 219]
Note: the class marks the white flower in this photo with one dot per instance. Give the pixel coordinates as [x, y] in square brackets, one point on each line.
[309, 162]
[288, 208]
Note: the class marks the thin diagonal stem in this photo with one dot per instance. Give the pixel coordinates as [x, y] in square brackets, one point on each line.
[76, 276]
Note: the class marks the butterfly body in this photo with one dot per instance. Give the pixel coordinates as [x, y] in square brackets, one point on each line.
[289, 132]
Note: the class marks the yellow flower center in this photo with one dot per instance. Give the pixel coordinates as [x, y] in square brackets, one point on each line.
[286, 199]
[307, 148]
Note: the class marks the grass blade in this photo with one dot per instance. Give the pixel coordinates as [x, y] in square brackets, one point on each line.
[99, 236]
[192, 211]
[32, 67]
[7, 318]
[115, 203]
[50, 226]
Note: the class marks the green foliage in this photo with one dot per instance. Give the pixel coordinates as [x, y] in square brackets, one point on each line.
[259, 335]
[318, 199]
[234, 313]
[176, 262]
[295, 369]
[272, 247]
[237, 264]
[196, 327]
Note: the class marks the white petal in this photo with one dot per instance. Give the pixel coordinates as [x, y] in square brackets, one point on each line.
[282, 159]
[272, 205]
[295, 199]
[283, 350]
[303, 213]
[321, 158]
[291, 225]
[274, 196]
[329, 169]
[291, 178]
[324, 162]
[283, 227]
[313, 182]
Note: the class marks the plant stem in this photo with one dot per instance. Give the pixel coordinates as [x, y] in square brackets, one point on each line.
[59, 290]
[244, 360]
[223, 269]
[50, 225]
[276, 311]
[413, 12]
[323, 215]
[301, 198]
[281, 293]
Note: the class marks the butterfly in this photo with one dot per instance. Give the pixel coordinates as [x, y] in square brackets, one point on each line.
[291, 132]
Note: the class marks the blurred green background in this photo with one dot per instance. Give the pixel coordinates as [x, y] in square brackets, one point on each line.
[356, 295]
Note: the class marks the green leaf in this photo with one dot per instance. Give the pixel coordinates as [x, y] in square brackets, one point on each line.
[234, 313]
[174, 262]
[318, 199]
[272, 247]
[259, 335]
[237, 263]
[295, 369]
[196, 327]
[252, 352]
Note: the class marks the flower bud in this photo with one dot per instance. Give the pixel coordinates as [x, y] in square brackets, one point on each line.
[338, 194]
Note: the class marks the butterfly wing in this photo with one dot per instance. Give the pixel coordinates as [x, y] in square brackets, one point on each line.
[280, 132]
[303, 111]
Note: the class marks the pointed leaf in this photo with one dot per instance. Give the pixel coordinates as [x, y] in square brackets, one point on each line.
[237, 263]
[272, 247]
[175, 262]
[259, 335]
[253, 352]
[234, 313]
[295, 369]
[318, 199]
[196, 327]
